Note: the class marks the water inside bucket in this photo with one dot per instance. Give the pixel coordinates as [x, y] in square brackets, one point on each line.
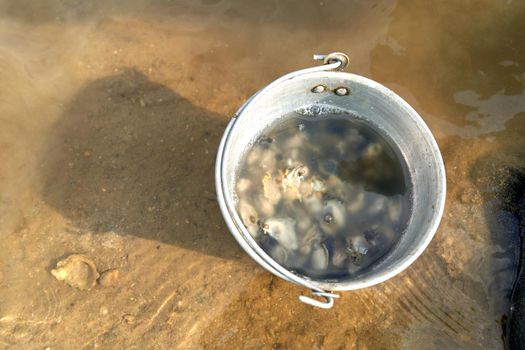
[325, 196]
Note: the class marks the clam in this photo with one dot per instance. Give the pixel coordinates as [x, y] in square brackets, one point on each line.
[268, 159]
[373, 150]
[305, 189]
[291, 156]
[242, 186]
[301, 216]
[339, 256]
[356, 251]
[294, 142]
[353, 142]
[333, 216]
[283, 231]
[271, 188]
[279, 254]
[313, 205]
[349, 146]
[377, 205]
[310, 187]
[395, 208]
[335, 186]
[359, 245]
[292, 181]
[349, 191]
[248, 213]
[294, 176]
[318, 186]
[297, 259]
[337, 251]
[328, 167]
[353, 268]
[319, 257]
[249, 217]
[311, 238]
[264, 206]
[341, 147]
[357, 203]
[254, 156]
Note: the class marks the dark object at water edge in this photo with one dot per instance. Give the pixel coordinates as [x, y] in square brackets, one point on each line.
[515, 325]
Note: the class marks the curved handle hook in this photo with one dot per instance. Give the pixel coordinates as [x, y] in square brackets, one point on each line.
[334, 57]
[321, 304]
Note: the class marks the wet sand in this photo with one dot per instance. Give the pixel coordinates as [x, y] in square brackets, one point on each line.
[111, 115]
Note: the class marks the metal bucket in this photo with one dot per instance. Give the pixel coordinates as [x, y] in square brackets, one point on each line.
[322, 90]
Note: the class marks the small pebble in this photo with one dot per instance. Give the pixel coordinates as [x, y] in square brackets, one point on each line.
[109, 278]
[129, 319]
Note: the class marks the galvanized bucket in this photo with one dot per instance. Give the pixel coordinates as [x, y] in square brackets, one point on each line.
[321, 90]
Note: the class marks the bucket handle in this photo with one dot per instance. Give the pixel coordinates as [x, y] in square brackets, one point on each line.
[331, 61]
[321, 304]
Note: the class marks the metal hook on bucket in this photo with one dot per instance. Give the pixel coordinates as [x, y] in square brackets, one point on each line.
[334, 57]
[323, 305]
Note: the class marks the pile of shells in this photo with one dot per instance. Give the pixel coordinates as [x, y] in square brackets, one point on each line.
[322, 216]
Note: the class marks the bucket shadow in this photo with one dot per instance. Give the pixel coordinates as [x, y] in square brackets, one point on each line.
[133, 157]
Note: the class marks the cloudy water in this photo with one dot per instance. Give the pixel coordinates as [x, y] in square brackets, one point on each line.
[325, 196]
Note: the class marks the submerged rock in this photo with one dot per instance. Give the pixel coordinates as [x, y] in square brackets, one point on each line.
[109, 278]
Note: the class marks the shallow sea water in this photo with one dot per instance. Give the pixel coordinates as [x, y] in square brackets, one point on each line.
[111, 113]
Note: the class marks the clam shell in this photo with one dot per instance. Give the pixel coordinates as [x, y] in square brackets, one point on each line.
[283, 231]
[395, 208]
[314, 206]
[247, 213]
[359, 245]
[372, 150]
[328, 167]
[268, 159]
[335, 186]
[294, 142]
[279, 254]
[302, 218]
[339, 256]
[271, 189]
[249, 217]
[254, 156]
[357, 203]
[242, 186]
[77, 270]
[311, 239]
[265, 207]
[377, 205]
[319, 258]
